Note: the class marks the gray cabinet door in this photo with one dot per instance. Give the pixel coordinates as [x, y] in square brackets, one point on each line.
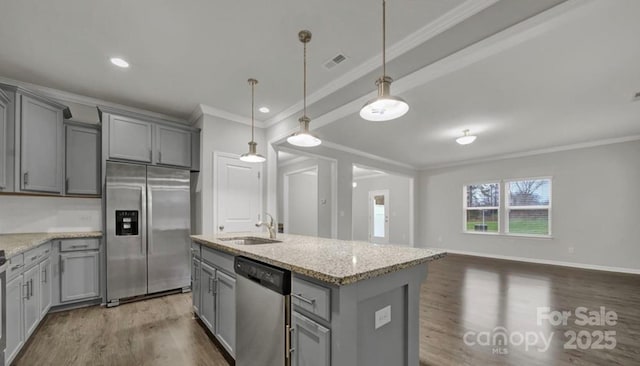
[129, 139]
[45, 286]
[174, 146]
[79, 276]
[4, 115]
[310, 341]
[226, 311]
[82, 163]
[195, 285]
[31, 302]
[41, 147]
[15, 335]
[208, 296]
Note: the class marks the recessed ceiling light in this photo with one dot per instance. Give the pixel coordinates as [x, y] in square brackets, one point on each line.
[119, 62]
[263, 110]
[466, 139]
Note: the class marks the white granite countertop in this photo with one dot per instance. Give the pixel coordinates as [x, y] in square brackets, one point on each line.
[338, 262]
[14, 244]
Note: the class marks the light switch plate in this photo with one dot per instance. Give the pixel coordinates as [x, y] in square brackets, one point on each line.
[383, 316]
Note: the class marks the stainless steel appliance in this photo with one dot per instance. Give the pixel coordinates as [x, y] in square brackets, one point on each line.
[263, 314]
[3, 305]
[148, 226]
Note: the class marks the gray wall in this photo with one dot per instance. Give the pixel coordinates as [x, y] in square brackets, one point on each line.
[595, 206]
[303, 204]
[324, 192]
[24, 214]
[399, 207]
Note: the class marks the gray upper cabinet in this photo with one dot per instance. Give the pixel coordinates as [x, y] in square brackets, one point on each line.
[174, 146]
[82, 165]
[130, 139]
[41, 146]
[4, 117]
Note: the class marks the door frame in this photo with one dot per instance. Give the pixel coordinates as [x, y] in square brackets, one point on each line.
[285, 194]
[215, 173]
[387, 204]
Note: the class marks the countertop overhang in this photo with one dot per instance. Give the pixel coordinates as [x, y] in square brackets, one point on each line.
[14, 244]
[338, 262]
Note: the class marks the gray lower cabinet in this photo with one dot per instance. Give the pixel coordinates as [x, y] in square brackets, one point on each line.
[15, 337]
[208, 296]
[80, 275]
[174, 146]
[311, 342]
[82, 160]
[226, 311]
[45, 286]
[195, 284]
[4, 118]
[130, 139]
[31, 279]
[41, 147]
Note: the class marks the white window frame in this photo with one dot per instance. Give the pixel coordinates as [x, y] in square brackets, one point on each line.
[466, 208]
[507, 206]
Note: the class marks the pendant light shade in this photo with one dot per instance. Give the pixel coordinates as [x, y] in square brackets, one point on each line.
[466, 139]
[384, 107]
[304, 137]
[252, 156]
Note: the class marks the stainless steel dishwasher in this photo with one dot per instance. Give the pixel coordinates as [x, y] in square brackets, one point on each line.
[263, 316]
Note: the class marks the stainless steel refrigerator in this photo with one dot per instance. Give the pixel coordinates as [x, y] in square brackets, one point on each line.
[148, 226]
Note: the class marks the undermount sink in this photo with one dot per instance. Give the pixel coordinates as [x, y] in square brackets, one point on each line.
[250, 240]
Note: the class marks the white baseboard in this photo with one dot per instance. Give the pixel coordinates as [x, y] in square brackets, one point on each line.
[550, 262]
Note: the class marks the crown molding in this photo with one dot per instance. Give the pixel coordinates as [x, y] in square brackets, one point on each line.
[369, 176]
[350, 150]
[549, 150]
[439, 25]
[203, 109]
[64, 96]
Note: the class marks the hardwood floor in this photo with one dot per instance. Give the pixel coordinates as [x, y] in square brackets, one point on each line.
[461, 294]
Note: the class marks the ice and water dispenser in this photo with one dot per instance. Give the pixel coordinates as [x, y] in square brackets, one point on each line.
[126, 223]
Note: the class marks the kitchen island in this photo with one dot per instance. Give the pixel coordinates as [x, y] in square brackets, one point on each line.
[352, 303]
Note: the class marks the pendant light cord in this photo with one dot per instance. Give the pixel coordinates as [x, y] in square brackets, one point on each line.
[384, 40]
[253, 85]
[304, 85]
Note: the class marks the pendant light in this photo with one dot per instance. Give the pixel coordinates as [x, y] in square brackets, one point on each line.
[252, 156]
[304, 138]
[385, 106]
[466, 139]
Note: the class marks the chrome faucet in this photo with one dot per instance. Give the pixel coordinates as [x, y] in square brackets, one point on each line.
[270, 226]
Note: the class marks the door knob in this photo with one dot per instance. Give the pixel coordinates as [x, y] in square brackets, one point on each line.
[221, 227]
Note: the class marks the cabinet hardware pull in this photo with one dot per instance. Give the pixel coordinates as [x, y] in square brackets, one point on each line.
[288, 346]
[304, 299]
[66, 185]
[62, 266]
[215, 285]
[31, 287]
[34, 257]
[159, 156]
[209, 285]
[80, 246]
[27, 286]
[44, 271]
[17, 266]
[25, 178]
[150, 155]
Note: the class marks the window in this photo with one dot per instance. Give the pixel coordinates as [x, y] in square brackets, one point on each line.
[528, 207]
[525, 209]
[482, 208]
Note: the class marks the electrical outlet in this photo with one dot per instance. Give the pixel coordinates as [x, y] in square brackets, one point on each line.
[383, 316]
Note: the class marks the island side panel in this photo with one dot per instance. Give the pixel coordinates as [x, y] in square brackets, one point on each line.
[355, 341]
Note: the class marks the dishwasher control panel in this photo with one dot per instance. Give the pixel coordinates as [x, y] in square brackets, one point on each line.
[274, 278]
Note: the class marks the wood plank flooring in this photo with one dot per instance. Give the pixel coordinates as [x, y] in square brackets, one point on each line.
[461, 294]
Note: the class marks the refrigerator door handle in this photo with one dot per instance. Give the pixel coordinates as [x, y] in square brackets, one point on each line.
[149, 218]
[143, 226]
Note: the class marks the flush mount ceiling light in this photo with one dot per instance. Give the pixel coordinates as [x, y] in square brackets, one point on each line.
[385, 106]
[304, 138]
[264, 110]
[119, 62]
[252, 156]
[466, 139]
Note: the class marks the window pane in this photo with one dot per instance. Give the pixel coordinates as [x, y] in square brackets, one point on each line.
[379, 216]
[483, 195]
[482, 220]
[534, 222]
[529, 192]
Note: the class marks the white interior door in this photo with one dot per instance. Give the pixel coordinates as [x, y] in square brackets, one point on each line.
[379, 216]
[301, 202]
[238, 194]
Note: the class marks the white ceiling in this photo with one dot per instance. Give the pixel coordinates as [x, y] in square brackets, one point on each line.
[184, 53]
[360, 172]
[572, 84]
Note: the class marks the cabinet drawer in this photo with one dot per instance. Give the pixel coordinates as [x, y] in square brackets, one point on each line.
[31, 257]
[44, 250]
[313, 298]
[221, 260]
[79, 244]
[15, 266]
